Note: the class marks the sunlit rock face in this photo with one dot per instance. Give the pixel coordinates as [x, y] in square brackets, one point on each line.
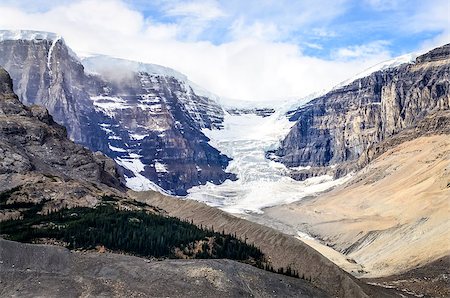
[338, 127]
[147, 117]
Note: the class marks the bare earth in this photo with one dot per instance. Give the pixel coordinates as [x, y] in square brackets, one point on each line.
[30, 270]
[391, 217]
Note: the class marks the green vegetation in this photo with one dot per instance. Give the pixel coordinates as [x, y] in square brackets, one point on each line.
[136, 232]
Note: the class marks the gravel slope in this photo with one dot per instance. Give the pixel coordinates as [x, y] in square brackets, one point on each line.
[49, 271]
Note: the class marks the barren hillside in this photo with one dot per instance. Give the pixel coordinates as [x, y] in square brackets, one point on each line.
[392, 216]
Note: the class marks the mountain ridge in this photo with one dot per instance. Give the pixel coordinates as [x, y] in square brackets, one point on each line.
[131, 119]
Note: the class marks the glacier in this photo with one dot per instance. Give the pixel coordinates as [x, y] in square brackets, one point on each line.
[261, 182]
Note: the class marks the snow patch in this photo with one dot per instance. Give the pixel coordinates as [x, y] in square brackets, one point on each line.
[49, 55]
[137, 136]
[160, 167]
[133, 163]
[116, 149]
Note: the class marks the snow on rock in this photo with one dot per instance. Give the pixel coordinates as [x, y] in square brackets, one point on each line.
[109, 104]
[137, 136]
[160, 167]
[27, 35]
[133, 163]
[116, 149]
[407, 58]
[98, 64]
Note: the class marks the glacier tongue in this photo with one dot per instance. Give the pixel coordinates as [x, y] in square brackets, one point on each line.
[261, 182]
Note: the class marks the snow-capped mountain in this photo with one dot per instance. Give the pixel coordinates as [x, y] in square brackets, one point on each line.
[336, 129]
[147, 117]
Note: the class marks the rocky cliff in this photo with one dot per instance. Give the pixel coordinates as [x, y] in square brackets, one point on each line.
[38, 163]
[338, 127]
[146, 117]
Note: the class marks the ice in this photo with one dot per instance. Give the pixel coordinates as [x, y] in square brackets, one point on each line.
[36, 36]
[262, 182]
[140, 183]
[50, 52]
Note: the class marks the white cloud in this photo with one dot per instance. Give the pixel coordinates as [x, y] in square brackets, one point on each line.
[252, 64]
[202, 10]
[375, 48]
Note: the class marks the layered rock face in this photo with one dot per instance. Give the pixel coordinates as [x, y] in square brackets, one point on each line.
[339, 126]
[154, 122]
[147, 117]
[46, 73]
[41, 164]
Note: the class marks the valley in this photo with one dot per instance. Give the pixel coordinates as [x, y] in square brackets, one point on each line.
[130, 165]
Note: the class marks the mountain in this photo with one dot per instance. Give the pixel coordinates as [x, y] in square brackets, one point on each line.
[148, 118]
[39, 164]
[53, 191]
[338, 127]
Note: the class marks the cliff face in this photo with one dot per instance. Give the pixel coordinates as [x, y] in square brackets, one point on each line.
[146, 117]
[156, 121]
[38, 163]
[339, 126]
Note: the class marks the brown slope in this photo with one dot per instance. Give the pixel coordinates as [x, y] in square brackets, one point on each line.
[392, 216]
[282, 250]
[50, 271]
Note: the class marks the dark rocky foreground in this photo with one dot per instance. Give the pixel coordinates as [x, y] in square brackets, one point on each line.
[28, 270]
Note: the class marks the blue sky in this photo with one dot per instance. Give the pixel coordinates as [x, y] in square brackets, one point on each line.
[253, 50]
[318, 32]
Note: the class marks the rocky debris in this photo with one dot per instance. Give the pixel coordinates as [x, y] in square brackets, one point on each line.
[262, 112]
[431, 280]
[146, 117]
[43, 270]
[339, 126]
[391, 216]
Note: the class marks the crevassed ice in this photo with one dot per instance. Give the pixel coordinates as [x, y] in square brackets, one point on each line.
[262, 182]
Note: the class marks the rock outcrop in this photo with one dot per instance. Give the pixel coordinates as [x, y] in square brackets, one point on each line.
[340, 126]
[38, 163]
[146, 117]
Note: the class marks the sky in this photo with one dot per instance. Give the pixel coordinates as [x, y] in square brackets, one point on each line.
[252, 50]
